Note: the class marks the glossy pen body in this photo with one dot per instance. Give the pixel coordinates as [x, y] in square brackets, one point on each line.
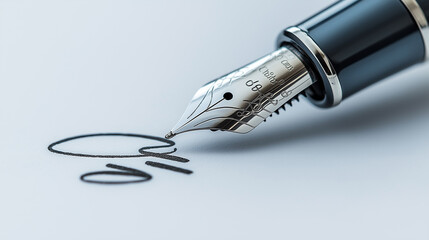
[341, 50]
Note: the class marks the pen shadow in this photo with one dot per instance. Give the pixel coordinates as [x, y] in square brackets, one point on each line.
[392, 109]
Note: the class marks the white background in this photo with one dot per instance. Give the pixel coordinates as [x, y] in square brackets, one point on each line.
[359, 171]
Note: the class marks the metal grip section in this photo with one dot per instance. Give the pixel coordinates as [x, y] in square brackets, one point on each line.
[271, 83]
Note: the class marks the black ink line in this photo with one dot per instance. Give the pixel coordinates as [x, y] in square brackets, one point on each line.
[163, 156]
[168, 167]
[169, 143]
[125, 171]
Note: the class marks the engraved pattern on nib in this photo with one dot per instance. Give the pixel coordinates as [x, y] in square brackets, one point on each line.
[214, 85]
[210, 90]
[257, 105]
[212, 104]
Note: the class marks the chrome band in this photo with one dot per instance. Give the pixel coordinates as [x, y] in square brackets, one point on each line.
[420, 18]
[323, 62]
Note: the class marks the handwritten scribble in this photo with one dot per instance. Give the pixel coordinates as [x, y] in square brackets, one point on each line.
[126, 171]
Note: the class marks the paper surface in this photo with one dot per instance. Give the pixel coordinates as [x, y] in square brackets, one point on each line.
[359, 171]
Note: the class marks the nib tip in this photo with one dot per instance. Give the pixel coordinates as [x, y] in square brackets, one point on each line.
[170, 135]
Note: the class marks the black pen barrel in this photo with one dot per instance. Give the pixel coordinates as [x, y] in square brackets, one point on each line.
[424, 4]
[364, 42]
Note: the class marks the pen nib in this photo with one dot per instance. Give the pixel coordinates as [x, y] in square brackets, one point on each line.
[170, 135]
[241, 100]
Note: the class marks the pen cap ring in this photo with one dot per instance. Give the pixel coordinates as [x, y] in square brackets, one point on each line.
[333, 93]
[420, 12]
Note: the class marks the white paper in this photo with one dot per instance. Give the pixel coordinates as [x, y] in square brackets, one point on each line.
[358, 171]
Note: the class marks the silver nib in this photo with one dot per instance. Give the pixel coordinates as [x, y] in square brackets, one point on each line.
[238, 102]
[170, 135]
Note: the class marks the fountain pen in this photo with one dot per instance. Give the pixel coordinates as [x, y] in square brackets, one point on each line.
[327, 58]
